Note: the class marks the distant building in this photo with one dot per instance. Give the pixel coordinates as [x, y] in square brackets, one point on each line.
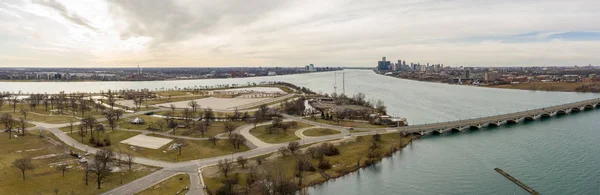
[490, 76]
[271, 73]
[383, 65]
[311, 68]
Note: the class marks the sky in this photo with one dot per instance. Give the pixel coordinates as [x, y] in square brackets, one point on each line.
[208, 33]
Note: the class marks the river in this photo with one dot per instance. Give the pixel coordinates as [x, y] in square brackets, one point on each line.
[553, 156]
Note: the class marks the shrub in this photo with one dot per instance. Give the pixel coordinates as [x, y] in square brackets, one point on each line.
[328, 149]
[324, 165]
[107, 141]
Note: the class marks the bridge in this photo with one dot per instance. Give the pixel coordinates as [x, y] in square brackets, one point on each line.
[498, 120]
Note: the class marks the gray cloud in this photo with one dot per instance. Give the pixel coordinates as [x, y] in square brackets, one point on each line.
[62, 10]
[167, 21]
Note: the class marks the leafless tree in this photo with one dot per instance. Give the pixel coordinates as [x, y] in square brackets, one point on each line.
[62, 168]
[302, 164]
[293, 146]
[224, 167]
[129, 160]
[161, 124]
[214, 140]
[242, 161]
[23, 164]
[101, 166]
[173, 107]
[22, 125]
[237, 140]
[180, 143]
[229, 127]
[194, 105]
[24, 113]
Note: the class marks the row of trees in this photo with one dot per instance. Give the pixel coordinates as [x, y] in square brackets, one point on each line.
[10, 124]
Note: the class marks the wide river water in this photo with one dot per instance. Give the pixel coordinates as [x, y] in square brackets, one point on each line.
[553, 156]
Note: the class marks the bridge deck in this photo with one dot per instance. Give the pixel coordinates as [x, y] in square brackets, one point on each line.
[497, 118]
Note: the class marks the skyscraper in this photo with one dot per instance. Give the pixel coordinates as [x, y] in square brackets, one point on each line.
[383, 65]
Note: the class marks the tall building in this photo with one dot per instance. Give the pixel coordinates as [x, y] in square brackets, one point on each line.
[311, 68]
[383, 64]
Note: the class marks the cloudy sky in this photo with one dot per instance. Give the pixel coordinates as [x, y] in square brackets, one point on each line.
[198, 33]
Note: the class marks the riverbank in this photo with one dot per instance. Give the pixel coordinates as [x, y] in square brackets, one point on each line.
[532, 86]
[551, 86]
[354, 153]
[144, 80]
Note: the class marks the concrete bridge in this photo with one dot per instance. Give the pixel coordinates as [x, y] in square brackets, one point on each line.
[494, 121]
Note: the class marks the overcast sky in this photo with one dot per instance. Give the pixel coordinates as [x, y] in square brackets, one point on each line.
[197, 33]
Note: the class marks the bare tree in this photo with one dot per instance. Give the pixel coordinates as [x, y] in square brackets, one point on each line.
[23, 164]
[293, 146]
[202, 128]
[237, 140]
[101, 166]
[224, 167]
[302, 164]
[129, 160]
[179, 144]
[62, 168]
[283, 150]
[22, 125]
[229, 127]
[71, 125]
[214, 140]
[194, 105]
[111, 117]
[161, 125]
[173, 107]
[24, 113]
[242, 161]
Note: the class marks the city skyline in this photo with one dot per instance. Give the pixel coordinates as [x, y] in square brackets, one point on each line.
[53, 33]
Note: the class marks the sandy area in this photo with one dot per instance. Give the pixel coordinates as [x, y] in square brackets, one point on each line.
[147, 141]
[217, 103]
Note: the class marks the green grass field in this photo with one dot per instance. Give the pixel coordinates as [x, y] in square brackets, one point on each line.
[175, 184]
[281, 137]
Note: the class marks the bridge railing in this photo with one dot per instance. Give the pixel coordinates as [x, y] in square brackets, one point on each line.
[488, 118]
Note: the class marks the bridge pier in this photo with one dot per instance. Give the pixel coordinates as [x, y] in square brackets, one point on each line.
[515, 121]
[534, 117]
[565, 111]
[496, 124]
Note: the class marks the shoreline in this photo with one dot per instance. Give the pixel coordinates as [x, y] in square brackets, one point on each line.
[363, 166]
[529, 86]
[171, 79]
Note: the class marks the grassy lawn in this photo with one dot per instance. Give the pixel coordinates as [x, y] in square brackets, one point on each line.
[320, 132]
[37, 181]
[194, 149]
[287, 136]
[115, 136]
[41, 115]
[350, 124]
[213, 129]
[170, 186]
[345, 162]
[124, 123]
